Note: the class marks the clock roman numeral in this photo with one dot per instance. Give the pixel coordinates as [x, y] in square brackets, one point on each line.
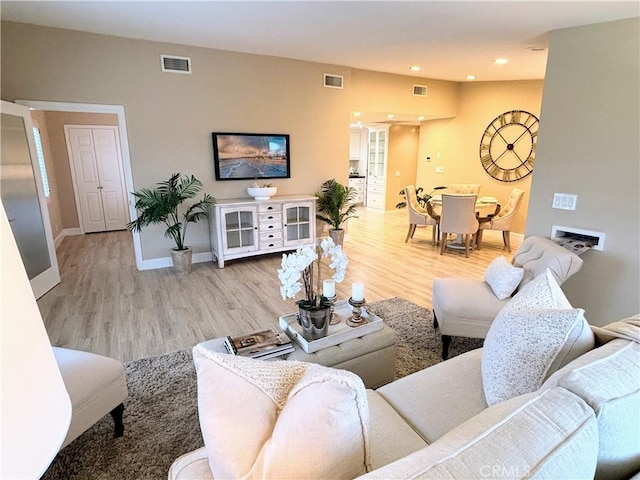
[515, 116]
[486, 160]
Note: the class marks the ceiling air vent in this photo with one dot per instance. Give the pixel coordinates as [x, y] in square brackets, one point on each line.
[333, 81]
[419, 90]
[173, 64]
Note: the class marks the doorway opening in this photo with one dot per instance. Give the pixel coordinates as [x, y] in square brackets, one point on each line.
[118, 110]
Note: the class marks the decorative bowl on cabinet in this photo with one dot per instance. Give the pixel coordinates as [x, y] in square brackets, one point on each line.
[262, 193]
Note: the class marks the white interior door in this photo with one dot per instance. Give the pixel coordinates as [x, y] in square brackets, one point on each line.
[96, 167]
[24, 201]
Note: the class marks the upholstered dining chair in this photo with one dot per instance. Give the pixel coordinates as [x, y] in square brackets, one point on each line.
[503, 220]
[418, 216]
[458, 217]
[465, 188]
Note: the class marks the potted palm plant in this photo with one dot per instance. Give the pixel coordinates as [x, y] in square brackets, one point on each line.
[335, 206]
[161, 206]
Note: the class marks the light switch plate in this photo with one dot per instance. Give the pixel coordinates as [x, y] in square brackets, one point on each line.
[565, 201]
[439, 169]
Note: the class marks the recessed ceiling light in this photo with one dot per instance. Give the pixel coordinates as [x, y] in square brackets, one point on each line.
[421, 117]
[470, 77]
[391, 115]
[356, 114]
[415, 68]
[501, 61]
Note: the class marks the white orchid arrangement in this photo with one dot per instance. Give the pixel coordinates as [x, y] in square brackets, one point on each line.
[299, 265]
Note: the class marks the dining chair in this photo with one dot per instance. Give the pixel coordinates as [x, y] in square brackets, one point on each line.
[458, 217]
[418, 216]
[503, 220]
[465, 188]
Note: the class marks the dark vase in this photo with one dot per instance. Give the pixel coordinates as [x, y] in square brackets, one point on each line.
[315, 322]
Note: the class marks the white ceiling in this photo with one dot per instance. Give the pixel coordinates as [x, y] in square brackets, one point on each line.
[448, 39]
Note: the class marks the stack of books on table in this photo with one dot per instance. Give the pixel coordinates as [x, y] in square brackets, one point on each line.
[261, 344]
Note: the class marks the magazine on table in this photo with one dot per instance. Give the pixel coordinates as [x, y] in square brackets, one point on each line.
[262, 344]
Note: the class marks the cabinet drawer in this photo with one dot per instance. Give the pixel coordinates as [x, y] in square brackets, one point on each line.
[356, 182]
[375, 201]
[376, 181]
[269, 208]
[373, 190]
[270, 236]
[273, 217]
[271, 226]
[269, 244]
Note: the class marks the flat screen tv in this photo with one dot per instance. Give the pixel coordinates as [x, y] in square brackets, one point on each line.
[248, 156]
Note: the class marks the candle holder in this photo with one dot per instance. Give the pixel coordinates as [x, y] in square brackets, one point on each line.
[335, 318]
[356, 319]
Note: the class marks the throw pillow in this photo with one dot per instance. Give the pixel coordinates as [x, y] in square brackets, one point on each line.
[523, 347]
[502, 277]
[541, 292]
[281, 419]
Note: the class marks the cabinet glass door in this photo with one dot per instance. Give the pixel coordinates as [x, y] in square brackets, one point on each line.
[377, 148]
[297, 224]
[239, 229]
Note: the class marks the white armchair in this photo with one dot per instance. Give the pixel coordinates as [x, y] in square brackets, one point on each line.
[96, 386]
[466, 307]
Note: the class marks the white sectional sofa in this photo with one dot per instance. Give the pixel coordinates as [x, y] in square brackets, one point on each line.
[547, 396]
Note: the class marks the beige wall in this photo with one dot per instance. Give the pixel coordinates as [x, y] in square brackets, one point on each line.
[170, 117]
[402, 159]
[384, 92]
[457, 140]
[589, 146]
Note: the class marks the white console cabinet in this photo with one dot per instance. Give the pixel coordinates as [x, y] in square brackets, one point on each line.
[246, 227]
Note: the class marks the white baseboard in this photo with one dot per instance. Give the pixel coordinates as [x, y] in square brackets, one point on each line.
[67, 232]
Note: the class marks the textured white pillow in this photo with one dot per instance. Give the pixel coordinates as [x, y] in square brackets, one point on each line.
[541, 292]
[281, 419]
[502, 277]
[523, 347]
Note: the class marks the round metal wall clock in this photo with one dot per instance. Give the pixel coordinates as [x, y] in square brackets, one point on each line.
[508, 145]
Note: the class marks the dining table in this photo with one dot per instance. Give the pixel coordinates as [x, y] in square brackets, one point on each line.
[486, 208]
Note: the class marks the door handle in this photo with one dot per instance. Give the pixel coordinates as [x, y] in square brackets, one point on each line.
[99, 188]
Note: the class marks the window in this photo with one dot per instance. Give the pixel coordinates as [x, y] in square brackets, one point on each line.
[43, 168]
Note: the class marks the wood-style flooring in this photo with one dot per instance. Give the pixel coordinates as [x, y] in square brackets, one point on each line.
[106, 306]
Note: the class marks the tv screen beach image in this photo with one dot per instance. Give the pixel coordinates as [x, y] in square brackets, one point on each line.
[251, 156]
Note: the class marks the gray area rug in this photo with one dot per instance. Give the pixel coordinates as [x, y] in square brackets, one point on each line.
[161, 419]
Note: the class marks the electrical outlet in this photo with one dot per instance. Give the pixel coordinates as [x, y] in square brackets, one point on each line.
[439, 169]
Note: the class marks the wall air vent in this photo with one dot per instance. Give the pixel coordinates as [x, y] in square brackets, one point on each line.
[173, 64]
[419, 90]
[333, 81]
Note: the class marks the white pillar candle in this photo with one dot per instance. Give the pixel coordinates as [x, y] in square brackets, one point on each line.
[329, 288]
[357, 292]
